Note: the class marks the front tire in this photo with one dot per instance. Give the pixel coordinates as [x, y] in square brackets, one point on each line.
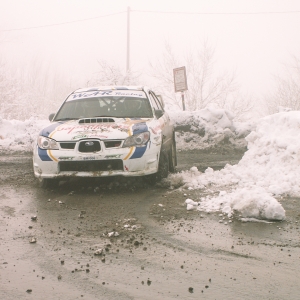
[163, 169]
[163, 166]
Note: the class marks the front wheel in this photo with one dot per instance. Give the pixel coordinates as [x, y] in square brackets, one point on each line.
[163, 169]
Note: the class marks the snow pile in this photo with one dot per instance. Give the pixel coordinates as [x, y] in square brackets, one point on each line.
[209, 128]
[18, 135]
[269, 168]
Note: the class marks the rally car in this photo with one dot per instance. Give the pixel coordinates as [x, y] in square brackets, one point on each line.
[106, 131]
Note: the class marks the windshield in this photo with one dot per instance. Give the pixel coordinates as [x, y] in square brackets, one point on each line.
[112, 106]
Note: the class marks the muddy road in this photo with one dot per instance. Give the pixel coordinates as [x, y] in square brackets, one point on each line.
[124, 239]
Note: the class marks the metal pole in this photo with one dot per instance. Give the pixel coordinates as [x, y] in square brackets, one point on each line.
[128, 39]
[182, 98]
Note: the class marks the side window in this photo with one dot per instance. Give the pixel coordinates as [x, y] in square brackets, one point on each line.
[156, 103]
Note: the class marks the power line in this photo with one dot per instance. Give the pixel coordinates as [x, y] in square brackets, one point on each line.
[63, 23]
[153, 12]
[217, 13]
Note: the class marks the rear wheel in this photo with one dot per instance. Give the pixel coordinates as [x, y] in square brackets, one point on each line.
[48, 183]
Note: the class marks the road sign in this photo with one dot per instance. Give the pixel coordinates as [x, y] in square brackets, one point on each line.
[180, 81]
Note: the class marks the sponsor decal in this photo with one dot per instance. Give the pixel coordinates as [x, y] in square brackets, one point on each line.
[87, 134]
[98, 128]
[66, 158]
[89, 94]
[111, 93]
[112, 156]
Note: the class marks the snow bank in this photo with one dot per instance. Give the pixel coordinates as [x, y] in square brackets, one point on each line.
[209, 128]
[18, 135]
[268, 169]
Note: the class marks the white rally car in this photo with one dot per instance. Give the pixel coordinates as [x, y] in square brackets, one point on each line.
[106, 131]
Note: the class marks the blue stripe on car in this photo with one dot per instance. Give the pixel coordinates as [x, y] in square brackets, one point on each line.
[139, 127]
[48, 130]
[44, 155]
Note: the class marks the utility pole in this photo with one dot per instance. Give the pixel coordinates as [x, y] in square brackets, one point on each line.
[128, 40]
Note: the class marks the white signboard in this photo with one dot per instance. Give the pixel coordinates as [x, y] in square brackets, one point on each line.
[180, 81]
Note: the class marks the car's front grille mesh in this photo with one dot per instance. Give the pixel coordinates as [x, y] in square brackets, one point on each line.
[91, 166]
[90, 146]
[67, 145]
[112, 144]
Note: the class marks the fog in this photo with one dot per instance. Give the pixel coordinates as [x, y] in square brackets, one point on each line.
[252, 39]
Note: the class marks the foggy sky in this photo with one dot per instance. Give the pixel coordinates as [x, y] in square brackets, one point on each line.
[251, 38]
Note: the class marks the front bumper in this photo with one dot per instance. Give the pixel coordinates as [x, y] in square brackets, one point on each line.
[122, 161]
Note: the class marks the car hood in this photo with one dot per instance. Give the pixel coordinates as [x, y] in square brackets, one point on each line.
[112, 128]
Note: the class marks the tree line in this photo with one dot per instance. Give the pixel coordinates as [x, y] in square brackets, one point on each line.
[36, 89]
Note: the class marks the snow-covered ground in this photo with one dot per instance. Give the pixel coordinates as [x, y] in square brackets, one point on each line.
[251, 189]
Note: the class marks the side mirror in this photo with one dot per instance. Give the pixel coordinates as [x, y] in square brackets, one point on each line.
[51, 116]
[158, 113]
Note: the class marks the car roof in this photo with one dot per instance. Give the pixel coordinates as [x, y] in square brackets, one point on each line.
[114, 87]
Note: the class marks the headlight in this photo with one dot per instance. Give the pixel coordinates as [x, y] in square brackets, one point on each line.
[46, 143]
[137, 140]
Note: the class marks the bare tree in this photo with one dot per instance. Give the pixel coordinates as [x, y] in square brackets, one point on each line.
[112, 75]
[35, 89]
[205, 86]
[162, 73]
[287, 91]
[9, 86]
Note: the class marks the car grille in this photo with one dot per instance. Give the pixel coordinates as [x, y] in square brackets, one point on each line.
[67, 145]
[89, 146]
[91, 166]
[112, 144]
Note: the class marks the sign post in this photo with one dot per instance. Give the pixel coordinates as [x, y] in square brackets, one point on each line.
[180, 82]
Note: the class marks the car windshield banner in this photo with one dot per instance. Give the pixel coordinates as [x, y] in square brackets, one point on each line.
[107, 93]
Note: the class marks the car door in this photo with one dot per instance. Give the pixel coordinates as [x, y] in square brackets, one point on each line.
[164, 120]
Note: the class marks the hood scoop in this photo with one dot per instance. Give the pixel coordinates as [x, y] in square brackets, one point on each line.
[96, 120]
